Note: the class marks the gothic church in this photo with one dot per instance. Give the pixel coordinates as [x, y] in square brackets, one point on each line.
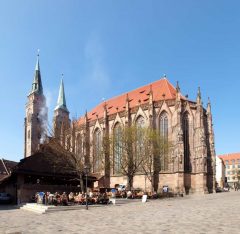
[189, 167]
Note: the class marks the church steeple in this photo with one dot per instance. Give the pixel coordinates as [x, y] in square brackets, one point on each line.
[61, 103]
[36, 120]
[37, 81]
[61, 121]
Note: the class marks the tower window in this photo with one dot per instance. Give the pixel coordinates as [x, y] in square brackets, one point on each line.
[28, 134]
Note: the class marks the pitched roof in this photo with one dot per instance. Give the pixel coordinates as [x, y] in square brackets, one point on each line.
[7, 166]
[161, 89]
[229, 157]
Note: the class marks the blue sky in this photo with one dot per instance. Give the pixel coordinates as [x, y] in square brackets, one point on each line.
[105, 48]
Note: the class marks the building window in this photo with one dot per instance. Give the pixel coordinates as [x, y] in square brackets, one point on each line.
[238, 165]
[117, 148]
[97, 150]
[233, 166]
[186, 142]
[226, 162]
[164, 136]
[79, 146]
[68, 143]
[140, 123]
[233, 161]
[28, 134]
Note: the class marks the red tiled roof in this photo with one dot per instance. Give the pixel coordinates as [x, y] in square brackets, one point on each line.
[161, 89]
[229, 157]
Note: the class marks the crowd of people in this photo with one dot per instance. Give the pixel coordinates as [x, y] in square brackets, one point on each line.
[93, 197]
[65, 199]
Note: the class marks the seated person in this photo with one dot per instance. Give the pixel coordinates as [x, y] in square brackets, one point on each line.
[64, 199]
[129, 194]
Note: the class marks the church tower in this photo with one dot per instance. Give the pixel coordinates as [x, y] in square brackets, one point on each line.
[61, 120]
[36, 115]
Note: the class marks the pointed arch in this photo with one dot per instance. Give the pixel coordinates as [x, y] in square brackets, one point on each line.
[97, 150]
[139, 113]
[68, 143]
[79, 145]
[186, 127]
[163, 129]
[140, 121]
[139, 148]
[117, 133]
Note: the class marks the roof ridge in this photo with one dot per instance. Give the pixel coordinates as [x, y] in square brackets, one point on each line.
[125, 93]
[5, 166]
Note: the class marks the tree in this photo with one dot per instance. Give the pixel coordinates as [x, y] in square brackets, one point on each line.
[153, 151]
[75, 159]
[138, 150]
[125, 158]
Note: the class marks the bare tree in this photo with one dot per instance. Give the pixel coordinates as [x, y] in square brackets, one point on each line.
[154, 149]
[75, 158]
[126, 148]
[138, 150]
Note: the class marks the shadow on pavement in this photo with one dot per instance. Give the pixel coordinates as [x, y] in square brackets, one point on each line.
[8, 207]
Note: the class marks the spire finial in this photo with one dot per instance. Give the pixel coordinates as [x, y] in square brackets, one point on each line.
[150, 88]
[199, 91]
[127, 98]
[37, 82]
[199, 98]
[37, 67]
[61, 102]
[209, 106]
[164, 76]
[177, 86]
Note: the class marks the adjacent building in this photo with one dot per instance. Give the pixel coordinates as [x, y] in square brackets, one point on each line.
[220, 172]
[232, 163]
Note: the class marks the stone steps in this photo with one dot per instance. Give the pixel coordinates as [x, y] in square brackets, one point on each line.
[42, 209]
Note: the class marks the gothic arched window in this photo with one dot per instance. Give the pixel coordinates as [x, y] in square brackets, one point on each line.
[164, 136]
[79, 145]
[68, 145]
[185, 124]
[140, 123]
[97, 148]
[117, 148]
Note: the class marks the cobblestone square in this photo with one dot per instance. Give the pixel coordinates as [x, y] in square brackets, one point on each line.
[211, 213]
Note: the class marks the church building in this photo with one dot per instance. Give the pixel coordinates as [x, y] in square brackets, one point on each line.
[188, 167]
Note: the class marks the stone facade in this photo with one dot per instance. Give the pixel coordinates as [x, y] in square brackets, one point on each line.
[190, 165]
[35, 121]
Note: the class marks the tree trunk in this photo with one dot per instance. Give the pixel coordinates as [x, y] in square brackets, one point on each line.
[81, 182]
[130, 182]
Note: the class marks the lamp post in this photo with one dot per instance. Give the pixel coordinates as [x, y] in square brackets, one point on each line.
[86, 171]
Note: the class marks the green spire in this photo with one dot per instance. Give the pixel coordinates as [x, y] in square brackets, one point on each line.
[61, 103]
[37, 82]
